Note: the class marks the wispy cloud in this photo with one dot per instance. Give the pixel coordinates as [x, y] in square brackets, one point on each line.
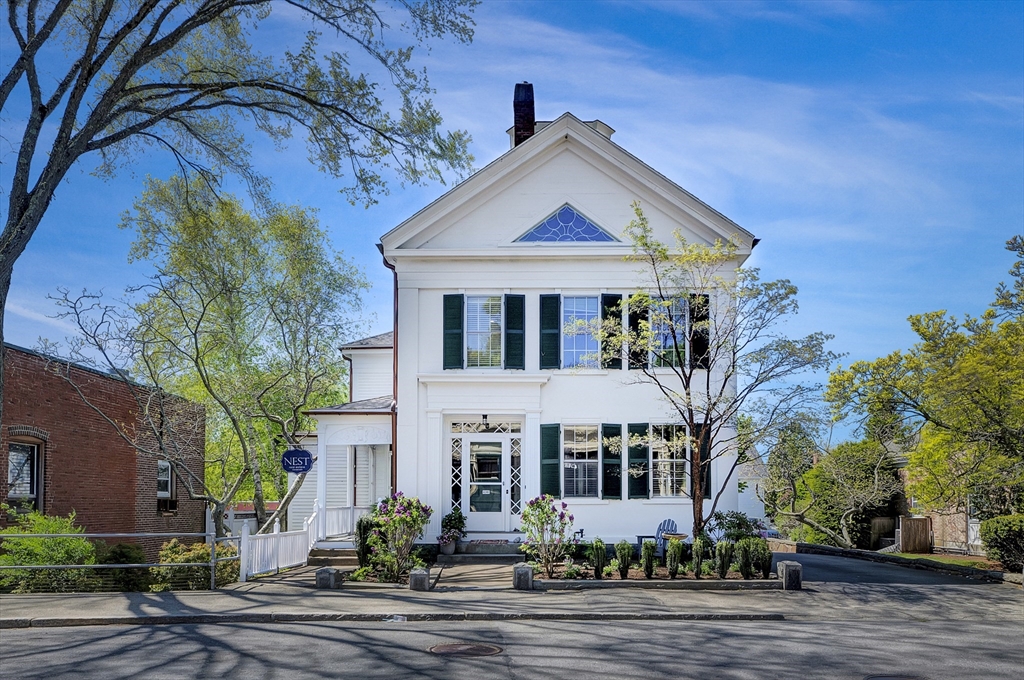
[39, 317]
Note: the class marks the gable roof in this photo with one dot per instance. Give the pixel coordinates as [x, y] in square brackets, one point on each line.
[566, 130]
[381, 341]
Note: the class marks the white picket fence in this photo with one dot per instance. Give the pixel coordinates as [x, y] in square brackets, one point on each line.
[270, 553]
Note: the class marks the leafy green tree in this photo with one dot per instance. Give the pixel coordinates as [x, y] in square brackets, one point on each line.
[110, 79]
[65, 550]
[244, 316]
[958, 396]
[708, 338]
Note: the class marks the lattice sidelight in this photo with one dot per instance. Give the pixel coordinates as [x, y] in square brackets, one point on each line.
[515, 476]
[456, 473]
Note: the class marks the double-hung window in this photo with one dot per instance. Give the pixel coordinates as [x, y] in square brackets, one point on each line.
[579, 346]
[669, 445]
[580, 448]
[670, 333]
[23, 472]
[165, 500]
[483, 331]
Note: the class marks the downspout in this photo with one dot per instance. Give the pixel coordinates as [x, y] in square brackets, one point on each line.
[394, 376]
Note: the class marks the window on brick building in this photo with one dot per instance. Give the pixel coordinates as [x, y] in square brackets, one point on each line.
[165, 496]
[23, 474]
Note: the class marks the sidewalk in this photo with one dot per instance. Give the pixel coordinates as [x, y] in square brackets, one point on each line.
[484, 593]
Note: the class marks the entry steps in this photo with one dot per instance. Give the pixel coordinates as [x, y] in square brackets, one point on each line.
[483, 552]
[333, 557]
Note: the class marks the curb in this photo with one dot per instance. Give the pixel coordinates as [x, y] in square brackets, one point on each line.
[310, 617]
[678, 584]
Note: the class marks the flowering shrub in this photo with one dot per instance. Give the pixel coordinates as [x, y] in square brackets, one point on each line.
[398, 522]
[546, 527]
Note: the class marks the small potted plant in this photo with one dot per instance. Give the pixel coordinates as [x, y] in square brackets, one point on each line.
[453, 527]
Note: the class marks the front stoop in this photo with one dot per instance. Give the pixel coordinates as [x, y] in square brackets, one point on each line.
[333, 557]
[472, 552]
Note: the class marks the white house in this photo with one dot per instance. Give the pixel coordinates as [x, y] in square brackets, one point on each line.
[493, 402]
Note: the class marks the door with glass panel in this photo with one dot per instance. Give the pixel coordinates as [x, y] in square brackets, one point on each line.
[486, 471]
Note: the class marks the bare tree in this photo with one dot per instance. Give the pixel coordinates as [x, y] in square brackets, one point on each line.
[706, 334]
[111, 78]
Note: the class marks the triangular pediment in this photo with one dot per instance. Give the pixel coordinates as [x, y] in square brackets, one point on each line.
[566, 225]
[568, 185]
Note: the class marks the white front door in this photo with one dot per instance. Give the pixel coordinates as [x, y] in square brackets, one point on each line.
[486, 469]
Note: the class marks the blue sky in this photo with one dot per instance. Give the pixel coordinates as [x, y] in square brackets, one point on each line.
[876, 149]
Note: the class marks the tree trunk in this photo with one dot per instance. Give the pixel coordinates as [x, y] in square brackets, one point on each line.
[282, 507]
[259, 503]
[5, 286]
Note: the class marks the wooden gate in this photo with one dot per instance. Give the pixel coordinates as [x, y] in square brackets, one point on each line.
[915, 534]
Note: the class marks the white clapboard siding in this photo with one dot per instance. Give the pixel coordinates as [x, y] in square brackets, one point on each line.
[302, 505]
[364, 462]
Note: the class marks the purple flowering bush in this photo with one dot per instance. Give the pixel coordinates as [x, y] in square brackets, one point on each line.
[547, 525]
[398, 522]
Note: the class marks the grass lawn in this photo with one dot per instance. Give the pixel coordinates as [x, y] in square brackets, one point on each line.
[959, 560]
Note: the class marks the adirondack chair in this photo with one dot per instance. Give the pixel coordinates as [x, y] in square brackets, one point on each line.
[666, 527]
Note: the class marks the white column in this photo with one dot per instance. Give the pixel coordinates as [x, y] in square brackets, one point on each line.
[321, 484]
[431, 487]
[531, 455]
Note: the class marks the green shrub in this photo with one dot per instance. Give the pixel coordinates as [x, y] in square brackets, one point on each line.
[1004, 540]
[673, 556]
[723, 557]
[398, 522]
[733, 526]
[701, 547]
[761, 556]
[624, 555]
[572, 570]
[745, 557]
[192, 577]
[598, 557]
[547, 529]
[45, 551]
[135, 579]
[647, 557]
[364, 527]
[359, 574]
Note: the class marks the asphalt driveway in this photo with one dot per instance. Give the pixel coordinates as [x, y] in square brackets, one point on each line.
[832, 569]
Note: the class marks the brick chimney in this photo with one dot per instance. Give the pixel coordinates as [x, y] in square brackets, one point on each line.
[523, 114]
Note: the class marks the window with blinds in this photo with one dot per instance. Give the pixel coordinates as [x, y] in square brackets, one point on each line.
[580, 461]
[669, 460]
[483, 331]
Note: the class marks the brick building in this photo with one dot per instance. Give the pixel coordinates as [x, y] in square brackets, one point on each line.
[59, 455]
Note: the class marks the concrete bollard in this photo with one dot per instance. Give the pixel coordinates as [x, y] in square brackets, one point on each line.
[522, 576]
[791, 574]
[328, 578]
[419, 579]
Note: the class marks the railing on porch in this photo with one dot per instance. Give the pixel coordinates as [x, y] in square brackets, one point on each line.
[266, 553]
[342, 521]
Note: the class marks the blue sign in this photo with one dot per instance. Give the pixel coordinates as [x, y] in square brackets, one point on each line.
[297, 461]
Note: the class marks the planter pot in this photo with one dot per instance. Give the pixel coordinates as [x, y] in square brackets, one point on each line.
[448, 548]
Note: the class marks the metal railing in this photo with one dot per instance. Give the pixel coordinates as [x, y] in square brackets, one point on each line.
[94, 568]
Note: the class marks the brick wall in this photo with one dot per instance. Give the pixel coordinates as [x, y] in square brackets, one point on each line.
[86, 467]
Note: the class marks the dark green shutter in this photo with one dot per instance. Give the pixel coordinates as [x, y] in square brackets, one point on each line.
[637, 355]
[700, 345]
[515, 324]
[705, 464]
[611, 310]
[611, 463]
[550, 479]
[453, 340]
[639, 463]
[550, 330]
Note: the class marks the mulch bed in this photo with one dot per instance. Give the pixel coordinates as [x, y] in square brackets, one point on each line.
[660, 573]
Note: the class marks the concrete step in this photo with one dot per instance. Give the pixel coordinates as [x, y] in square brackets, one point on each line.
[481, 558]
[473, 548]
[332, 552]
[333, 562]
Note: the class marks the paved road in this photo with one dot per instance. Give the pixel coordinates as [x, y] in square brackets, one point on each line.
[832, 650]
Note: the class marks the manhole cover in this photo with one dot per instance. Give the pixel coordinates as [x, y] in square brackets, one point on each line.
[466, 649]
